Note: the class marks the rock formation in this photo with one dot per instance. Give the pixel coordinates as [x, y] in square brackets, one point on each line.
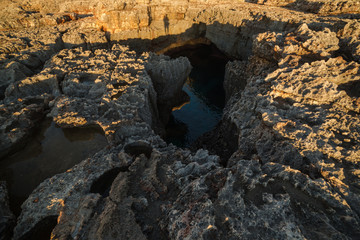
[282, 164]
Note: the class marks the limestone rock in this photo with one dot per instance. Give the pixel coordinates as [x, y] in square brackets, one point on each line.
[273, 2]
[235, 77]
[300, 45]
[168, 76]
[70, 189]
[294, 110]
[328, 7]
[18, 119]
[351, 40]
[288, 141]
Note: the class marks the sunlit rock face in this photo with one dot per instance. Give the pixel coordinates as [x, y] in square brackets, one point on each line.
[283, 163]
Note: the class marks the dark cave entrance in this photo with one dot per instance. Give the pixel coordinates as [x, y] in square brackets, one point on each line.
[205, 89]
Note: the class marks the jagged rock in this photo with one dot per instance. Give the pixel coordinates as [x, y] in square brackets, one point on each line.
[351, 39]
[328, 7]
[316, 6]
[288, 140]
[303, 45]
[34, 86]
[7, 218]
[120, 87]
[12, 72]
[235, 77]
[18, 119]
[232, 203]
[273, 2]
[71, 187]
[168, 77]
[303, 118]
[88, 38]
[111, 89]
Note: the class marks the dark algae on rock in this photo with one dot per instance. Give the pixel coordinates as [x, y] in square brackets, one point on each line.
[87, 100]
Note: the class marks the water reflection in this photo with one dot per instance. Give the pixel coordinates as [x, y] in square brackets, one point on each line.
[207, 96]
[52, 150]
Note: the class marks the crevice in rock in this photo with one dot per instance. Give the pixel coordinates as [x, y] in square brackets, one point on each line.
[136, 148]
[148, 219]
[351, 88]
[42, 230]
[205, 89]
[102, 185]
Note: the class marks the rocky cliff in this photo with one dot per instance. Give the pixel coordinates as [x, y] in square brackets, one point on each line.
[282, 164]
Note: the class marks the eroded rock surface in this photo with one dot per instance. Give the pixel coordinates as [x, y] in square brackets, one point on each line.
[282, 164]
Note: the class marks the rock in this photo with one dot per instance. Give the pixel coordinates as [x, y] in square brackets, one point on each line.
[168, 77]
[12, 72]
[87, 38]
[118, 84]
[303, 103]
[7, 218]
[328, 7]
[71, 188]
[323, 7]
[235, 77]
[301, 45]
[18, 120]
[351, 40]
[273, 2]
[38, 85]
[287, 148]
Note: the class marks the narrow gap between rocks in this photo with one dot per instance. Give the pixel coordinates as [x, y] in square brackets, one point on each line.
[204, 86]
[102, 185]
[42, 230]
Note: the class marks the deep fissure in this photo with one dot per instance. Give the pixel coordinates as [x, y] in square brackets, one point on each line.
[204, 87]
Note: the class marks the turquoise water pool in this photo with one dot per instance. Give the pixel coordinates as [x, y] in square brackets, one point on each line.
[207, 97]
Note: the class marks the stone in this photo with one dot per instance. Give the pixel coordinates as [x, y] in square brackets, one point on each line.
[168, 77]
[18, 120]
[235, 77]
[283, 163]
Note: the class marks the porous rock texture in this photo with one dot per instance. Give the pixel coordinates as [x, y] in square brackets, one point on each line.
[282, 164]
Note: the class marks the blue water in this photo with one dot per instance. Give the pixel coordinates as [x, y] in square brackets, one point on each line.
[207, 98]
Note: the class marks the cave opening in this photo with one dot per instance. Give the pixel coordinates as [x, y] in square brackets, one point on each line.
[204, 86]
[50, 151]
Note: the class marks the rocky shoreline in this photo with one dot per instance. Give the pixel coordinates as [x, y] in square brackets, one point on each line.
[284, 162]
